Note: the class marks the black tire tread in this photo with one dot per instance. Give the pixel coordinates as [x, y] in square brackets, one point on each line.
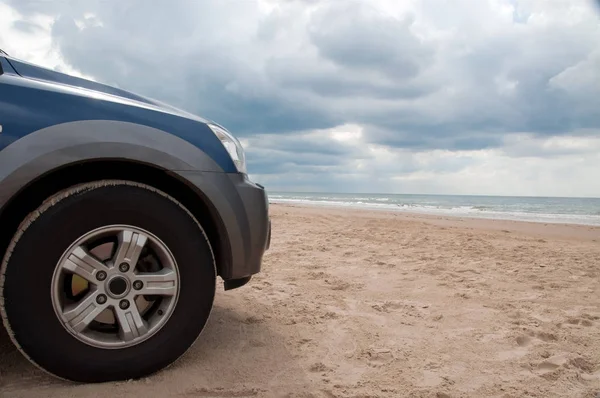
[48, 204]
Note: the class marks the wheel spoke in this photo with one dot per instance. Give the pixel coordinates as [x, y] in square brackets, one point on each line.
[130, 247]
[82, 263]
[107, 258]
[131, 324]
[82, 313]
[161, 283]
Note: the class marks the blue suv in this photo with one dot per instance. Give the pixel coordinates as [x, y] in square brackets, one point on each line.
[117, 214]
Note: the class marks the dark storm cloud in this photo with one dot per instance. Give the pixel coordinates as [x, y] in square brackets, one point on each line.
[462, 83]
[333, 83]
[258, 114]
[282, 161]
[279, 165]
[317, 151]
[354, 35]
[317, 143]
[435, 137]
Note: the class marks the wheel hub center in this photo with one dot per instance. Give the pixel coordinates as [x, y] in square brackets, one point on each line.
[118, 287]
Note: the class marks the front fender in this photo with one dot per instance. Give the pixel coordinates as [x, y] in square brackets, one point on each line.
[53, 147]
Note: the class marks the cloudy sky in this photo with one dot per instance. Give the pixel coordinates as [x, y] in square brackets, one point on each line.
[423, 96]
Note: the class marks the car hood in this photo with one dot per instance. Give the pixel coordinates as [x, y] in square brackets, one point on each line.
[52, 79]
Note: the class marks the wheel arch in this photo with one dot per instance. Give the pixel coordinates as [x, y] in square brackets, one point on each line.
[32, 194]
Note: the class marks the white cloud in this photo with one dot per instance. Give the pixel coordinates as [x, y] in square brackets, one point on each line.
[30, 39]
[484, 172]
[468, 96]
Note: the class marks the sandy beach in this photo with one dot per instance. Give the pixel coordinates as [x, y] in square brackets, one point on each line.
[355, 303]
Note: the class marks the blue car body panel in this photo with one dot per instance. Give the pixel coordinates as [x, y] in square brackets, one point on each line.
[51, 120]
[33, 98]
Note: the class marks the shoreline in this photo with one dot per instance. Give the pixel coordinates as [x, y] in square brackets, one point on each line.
[547, 230]
[416, 212]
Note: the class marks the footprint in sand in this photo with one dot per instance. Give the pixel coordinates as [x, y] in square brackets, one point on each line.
[591, 317]
[546, 367]
[330, 315]
[317, 275]
[527, 339]
[387, 306]
[555, 362]
[318, 367]
[378, 357]
[546, 337]
[579, 321]
[523, 341]
[551, 364]
[338, 284]
[583, 364]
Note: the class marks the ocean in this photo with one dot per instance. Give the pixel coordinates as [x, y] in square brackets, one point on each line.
[584, 211]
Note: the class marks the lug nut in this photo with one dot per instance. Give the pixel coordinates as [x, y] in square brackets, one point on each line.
[124, 267]
[101, 299]
[101, 275]
[124, 304]
[160, 312]
[137, 285]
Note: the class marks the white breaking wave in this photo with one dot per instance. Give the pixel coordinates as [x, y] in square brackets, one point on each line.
[457, 210]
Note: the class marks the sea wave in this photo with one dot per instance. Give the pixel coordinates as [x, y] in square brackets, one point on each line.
[477, 211]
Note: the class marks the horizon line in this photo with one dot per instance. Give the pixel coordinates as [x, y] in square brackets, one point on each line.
[433, 194]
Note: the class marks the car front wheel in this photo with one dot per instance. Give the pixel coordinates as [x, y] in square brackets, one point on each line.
[109, 280]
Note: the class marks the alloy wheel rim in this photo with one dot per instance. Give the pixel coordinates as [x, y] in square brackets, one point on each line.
[115, 286]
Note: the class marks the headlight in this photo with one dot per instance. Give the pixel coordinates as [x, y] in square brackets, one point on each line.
[232, 145]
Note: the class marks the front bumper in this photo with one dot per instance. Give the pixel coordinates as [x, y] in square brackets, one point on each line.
[242, 208]
[269, 238]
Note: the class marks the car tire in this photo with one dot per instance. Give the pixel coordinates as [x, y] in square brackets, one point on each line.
[28, 276]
